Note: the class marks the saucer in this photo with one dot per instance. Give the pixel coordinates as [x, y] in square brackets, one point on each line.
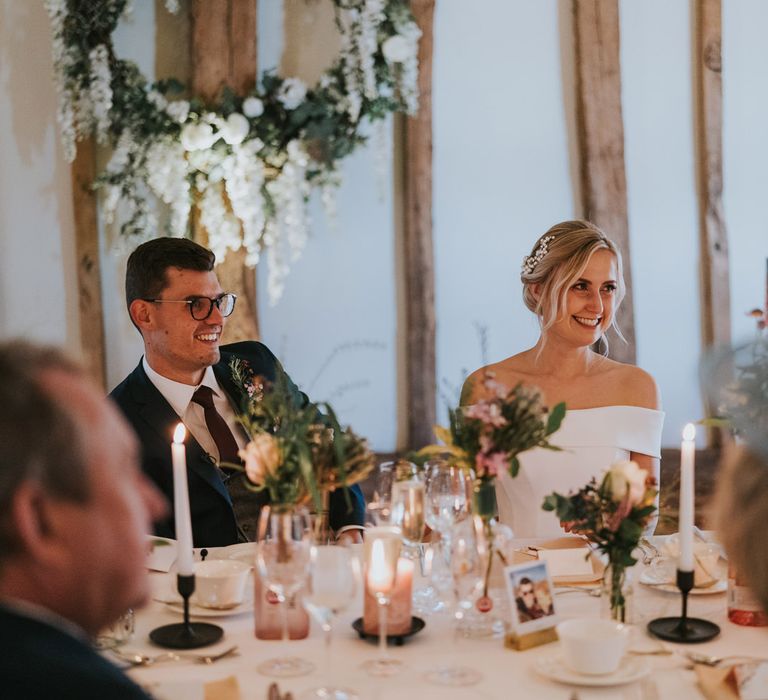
[417, 624]
[630, 669]
[720, 586]
[199, 611]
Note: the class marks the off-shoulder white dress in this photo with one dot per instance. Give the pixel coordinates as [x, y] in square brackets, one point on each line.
[591, 439]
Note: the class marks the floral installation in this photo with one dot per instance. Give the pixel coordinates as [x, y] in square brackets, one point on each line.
[612, 515]
[297, 452]
[486, 438]
[248, 162]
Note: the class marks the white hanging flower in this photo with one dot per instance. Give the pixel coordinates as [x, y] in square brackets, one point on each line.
[292, 93]
[222, 226]
[172, 6]
[100, 91]
[178, 110]
[157, 99]
[253, 107]
[167, 175]
[235, 129]
[197, 137]
[396, 49]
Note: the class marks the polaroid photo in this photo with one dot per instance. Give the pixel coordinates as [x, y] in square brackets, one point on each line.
[532, 597]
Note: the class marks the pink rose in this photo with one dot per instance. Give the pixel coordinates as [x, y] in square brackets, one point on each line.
[490, 464]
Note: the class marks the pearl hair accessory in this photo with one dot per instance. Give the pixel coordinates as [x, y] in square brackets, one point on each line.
[530, 261]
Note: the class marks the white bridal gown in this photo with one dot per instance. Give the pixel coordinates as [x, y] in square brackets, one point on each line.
[591, 439]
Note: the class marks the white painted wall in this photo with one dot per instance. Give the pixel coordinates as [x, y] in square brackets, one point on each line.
[503, 128]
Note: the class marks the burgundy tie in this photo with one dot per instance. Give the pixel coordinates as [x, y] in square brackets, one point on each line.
[217, 426]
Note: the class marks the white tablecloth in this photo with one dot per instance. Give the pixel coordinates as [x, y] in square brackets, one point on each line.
[506, 673]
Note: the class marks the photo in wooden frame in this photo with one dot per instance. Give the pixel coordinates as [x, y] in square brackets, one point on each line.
[532, 605]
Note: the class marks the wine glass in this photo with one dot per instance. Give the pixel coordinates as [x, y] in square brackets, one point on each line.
[446, 504]
[282, 561]
[333, 574]
[381, 551]
[466, 565]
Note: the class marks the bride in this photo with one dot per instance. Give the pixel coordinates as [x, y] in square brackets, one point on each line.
[573, 282]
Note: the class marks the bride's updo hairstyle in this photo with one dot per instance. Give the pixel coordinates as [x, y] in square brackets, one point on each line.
[557, 260]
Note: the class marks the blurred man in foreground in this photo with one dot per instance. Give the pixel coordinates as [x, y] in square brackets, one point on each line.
[74, 510]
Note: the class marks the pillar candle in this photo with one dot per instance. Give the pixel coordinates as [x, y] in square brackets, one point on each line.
[399, 613]
[184, 562]
[687, 490]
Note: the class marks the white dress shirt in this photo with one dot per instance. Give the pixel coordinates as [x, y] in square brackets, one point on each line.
[179, 396]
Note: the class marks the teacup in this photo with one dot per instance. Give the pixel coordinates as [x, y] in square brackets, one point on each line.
[220, 583]
[593, 646]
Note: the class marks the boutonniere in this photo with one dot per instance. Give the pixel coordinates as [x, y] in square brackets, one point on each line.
[251, 384]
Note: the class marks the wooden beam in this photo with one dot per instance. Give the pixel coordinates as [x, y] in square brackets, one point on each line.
[420, 381]
[713, 236]
[84, 205]
[601, 142]
[716, 301]
[224, 54]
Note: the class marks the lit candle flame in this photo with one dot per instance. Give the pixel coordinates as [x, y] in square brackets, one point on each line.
[179, 434]
[689, 432]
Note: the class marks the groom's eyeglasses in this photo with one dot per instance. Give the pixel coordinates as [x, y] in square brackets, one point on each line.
[202, 307]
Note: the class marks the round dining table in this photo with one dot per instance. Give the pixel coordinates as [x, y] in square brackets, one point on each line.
[506, 673]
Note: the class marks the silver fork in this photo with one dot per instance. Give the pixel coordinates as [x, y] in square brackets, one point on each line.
[708, 660]
[136, 659]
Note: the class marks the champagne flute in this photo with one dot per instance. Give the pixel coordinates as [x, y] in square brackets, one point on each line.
[282, 561]
[382, 550]
[467, 576]
[333, 575]
[380, 505]
[408, 512]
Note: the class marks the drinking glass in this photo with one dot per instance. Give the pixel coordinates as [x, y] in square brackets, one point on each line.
[381, 551]
[333, 575]
[380, 505]
[282, 561]
[446, 504]
[467, 577]
[408, 512]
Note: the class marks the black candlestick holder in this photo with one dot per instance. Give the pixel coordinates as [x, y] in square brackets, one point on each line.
[684, 629]
[186, 635]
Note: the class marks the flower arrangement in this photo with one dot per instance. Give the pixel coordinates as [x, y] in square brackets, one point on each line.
[296, 453]
[246, 163]
[487, 437]
[611, 515]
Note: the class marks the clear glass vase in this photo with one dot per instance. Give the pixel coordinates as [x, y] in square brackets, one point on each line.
[617, 594]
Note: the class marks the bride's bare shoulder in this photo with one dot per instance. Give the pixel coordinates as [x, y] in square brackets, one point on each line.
[636, 386]
[510, 372]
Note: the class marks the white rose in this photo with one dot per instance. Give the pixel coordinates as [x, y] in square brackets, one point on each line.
[292, 93]
[627, 479]
[178, 110]
[235, 129]
[396, 49]
[198, 137]
[262, 458]
[253, 107]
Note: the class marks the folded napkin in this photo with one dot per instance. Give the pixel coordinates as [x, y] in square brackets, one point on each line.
[746, 681]
[161, 553]
[705, 562]
[224, 689]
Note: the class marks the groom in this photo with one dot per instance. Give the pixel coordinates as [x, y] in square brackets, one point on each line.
[176, 302]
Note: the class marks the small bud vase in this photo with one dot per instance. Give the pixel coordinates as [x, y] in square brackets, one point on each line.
[617, 593]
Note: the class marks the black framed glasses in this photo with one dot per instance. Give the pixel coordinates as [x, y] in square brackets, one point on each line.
[201, 307]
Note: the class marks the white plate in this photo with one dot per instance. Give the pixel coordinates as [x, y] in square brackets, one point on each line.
[199, 611]
[719, 587]
[630, 669]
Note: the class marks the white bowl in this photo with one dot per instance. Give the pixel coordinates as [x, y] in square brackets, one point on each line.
[593, 646]
[220, 583]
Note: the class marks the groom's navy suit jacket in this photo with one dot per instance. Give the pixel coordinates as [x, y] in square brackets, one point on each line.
[153, 419]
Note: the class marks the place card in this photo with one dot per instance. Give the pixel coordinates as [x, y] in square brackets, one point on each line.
[567, 562]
